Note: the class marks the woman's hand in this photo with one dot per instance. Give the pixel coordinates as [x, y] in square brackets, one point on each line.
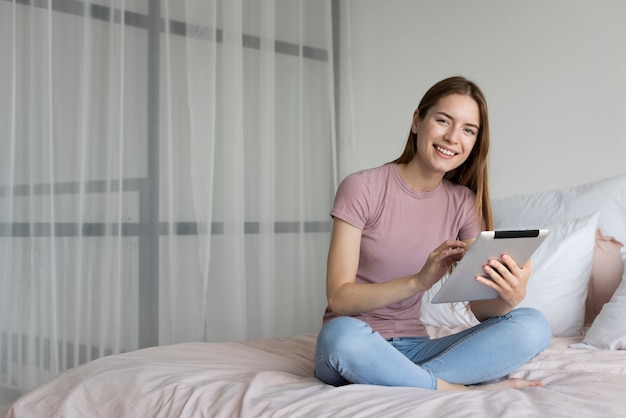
[439, 262]
[346, 297]
[509, 280]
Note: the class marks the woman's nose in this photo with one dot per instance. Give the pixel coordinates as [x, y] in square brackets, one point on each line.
[451, 136]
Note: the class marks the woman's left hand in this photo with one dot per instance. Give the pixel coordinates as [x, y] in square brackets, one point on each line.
[508, 279]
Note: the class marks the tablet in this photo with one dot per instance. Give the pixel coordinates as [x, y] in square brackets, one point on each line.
[461, 285]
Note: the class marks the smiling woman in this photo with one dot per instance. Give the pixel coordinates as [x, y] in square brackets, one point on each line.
[473, 174]
[445, 138]
[397, 229]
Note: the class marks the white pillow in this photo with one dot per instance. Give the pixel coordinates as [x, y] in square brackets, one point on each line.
[557, 287]
[561, 271]
[608, 331]
[607, 196]
[449, 315]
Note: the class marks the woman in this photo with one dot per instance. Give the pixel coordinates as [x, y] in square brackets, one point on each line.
[386, 222]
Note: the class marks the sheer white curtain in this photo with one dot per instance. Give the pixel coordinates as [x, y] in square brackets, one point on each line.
[166, 172]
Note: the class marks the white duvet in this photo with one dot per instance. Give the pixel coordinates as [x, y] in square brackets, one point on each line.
[273, 378]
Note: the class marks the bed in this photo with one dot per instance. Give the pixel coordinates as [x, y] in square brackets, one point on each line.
[273, 378]
[578, 281]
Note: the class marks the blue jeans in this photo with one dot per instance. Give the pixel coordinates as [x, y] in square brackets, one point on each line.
[347, 351]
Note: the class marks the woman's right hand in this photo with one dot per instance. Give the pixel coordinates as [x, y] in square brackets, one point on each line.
[440, 260]
[346, 297]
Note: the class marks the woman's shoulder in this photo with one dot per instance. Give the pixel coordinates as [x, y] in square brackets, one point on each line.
[365, 185]
[360, 195]
[370, 175]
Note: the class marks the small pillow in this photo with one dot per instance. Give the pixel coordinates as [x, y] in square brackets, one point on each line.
[606, 275]
[449, 315]
[561, 271]
[608, 331]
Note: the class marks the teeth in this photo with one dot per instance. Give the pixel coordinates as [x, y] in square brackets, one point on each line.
[445, 151]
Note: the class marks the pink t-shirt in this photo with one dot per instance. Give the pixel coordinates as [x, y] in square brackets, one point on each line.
[400, 228]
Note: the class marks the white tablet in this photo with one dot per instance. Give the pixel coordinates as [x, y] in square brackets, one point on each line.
[461, 285]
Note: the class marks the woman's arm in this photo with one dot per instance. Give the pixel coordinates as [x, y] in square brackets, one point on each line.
[509, 280]
[345, 297]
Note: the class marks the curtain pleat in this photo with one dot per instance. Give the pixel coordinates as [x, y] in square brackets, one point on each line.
[167, 169]
[267, 172]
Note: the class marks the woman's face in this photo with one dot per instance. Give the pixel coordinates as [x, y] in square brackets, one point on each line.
[447, 134]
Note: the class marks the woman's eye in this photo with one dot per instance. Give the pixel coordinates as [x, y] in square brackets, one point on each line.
[470, 131]
[444, 121]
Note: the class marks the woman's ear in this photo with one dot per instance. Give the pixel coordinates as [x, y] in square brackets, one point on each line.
[416, 119]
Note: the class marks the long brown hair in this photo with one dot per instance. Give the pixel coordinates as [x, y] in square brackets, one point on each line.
[474, 172]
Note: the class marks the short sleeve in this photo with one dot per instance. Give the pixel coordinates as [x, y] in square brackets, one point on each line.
[471, 225]
[352, 201]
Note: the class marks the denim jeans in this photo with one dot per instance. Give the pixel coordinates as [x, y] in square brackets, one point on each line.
[347, 351]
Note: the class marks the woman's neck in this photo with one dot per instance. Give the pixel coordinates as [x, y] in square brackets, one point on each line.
[416, 179]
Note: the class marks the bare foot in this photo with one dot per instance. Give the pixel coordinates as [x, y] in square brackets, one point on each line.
[502, 384]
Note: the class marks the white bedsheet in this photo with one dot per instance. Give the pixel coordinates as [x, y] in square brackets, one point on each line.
[273, 378]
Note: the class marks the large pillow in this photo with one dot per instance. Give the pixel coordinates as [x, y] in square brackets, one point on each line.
[558, 284]
[608, 331]
[607, 196]
[561, 271]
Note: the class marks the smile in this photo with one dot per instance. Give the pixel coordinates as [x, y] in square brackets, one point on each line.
[445, 151]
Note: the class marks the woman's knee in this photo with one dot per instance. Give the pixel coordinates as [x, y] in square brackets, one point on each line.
[344, 328]
[342, 334]
[534, 327]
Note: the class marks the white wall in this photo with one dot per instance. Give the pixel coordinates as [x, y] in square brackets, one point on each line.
[554, 73]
